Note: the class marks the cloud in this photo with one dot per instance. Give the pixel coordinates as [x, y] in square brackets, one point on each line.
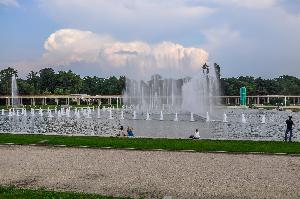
[252, 4]
[264, 42]
[69, 46]
[291, 6]
[218, 38]
[9, 3]
[128, 19]
[127, 8]
[246, 37]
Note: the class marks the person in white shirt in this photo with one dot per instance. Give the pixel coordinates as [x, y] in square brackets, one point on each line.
[196, 135]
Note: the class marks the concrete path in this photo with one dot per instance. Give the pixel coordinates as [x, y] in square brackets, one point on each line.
[151, 174]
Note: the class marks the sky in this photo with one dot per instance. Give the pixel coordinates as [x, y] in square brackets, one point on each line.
[260, 38]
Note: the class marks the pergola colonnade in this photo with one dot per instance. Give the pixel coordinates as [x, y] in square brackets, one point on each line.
[66, 99]
[262, 99]
[118, 99]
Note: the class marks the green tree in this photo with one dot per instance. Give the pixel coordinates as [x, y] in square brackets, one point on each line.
[288, 85]
[33, 80]
[47, 80]
[5, 80]
[111, 86]
[24, 87]
[69, 82]
[92, 85]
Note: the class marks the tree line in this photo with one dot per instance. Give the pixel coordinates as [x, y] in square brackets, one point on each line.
[282, 85]
[47, 81]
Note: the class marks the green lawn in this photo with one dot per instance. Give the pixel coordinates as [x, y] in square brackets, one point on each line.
[15, 193]
[158, 143]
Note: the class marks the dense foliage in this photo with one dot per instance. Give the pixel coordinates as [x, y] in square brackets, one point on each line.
[283, 85]
[47, 81]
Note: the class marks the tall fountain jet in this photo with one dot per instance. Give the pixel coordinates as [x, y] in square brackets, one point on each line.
[207, 117]
[176, 117]
[200, 92]
[156, 94]
[161, 116]
[122, 115]
[192, 117]
[244, 118]
[148, 116]
[263, 119]
[195, 94]
[14, 92]
[110, 114]
[225, 118]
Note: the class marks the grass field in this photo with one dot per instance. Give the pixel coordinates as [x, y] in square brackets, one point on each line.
[16, 193]
[157, 143]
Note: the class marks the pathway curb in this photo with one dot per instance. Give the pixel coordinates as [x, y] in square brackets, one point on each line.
[162, 150]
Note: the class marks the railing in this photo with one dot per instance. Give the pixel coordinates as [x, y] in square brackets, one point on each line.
[121, 96]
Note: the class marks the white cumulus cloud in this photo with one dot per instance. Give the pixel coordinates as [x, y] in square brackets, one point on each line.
[69, 46]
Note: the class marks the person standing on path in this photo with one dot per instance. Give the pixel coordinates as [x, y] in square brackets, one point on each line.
[289, 129]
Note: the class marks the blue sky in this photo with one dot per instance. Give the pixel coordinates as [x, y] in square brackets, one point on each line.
[172, 37]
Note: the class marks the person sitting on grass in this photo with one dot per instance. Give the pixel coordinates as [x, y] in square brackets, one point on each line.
[129, 132]
[196, 135]
[121, 132]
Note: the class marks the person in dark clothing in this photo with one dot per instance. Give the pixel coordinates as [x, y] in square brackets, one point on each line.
[289, 129]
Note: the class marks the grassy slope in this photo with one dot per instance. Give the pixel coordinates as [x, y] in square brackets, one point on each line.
[148, 143]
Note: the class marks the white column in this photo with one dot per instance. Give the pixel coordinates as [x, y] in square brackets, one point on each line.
[284, 100]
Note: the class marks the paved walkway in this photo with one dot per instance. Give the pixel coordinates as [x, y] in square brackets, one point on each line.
[152, 174]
